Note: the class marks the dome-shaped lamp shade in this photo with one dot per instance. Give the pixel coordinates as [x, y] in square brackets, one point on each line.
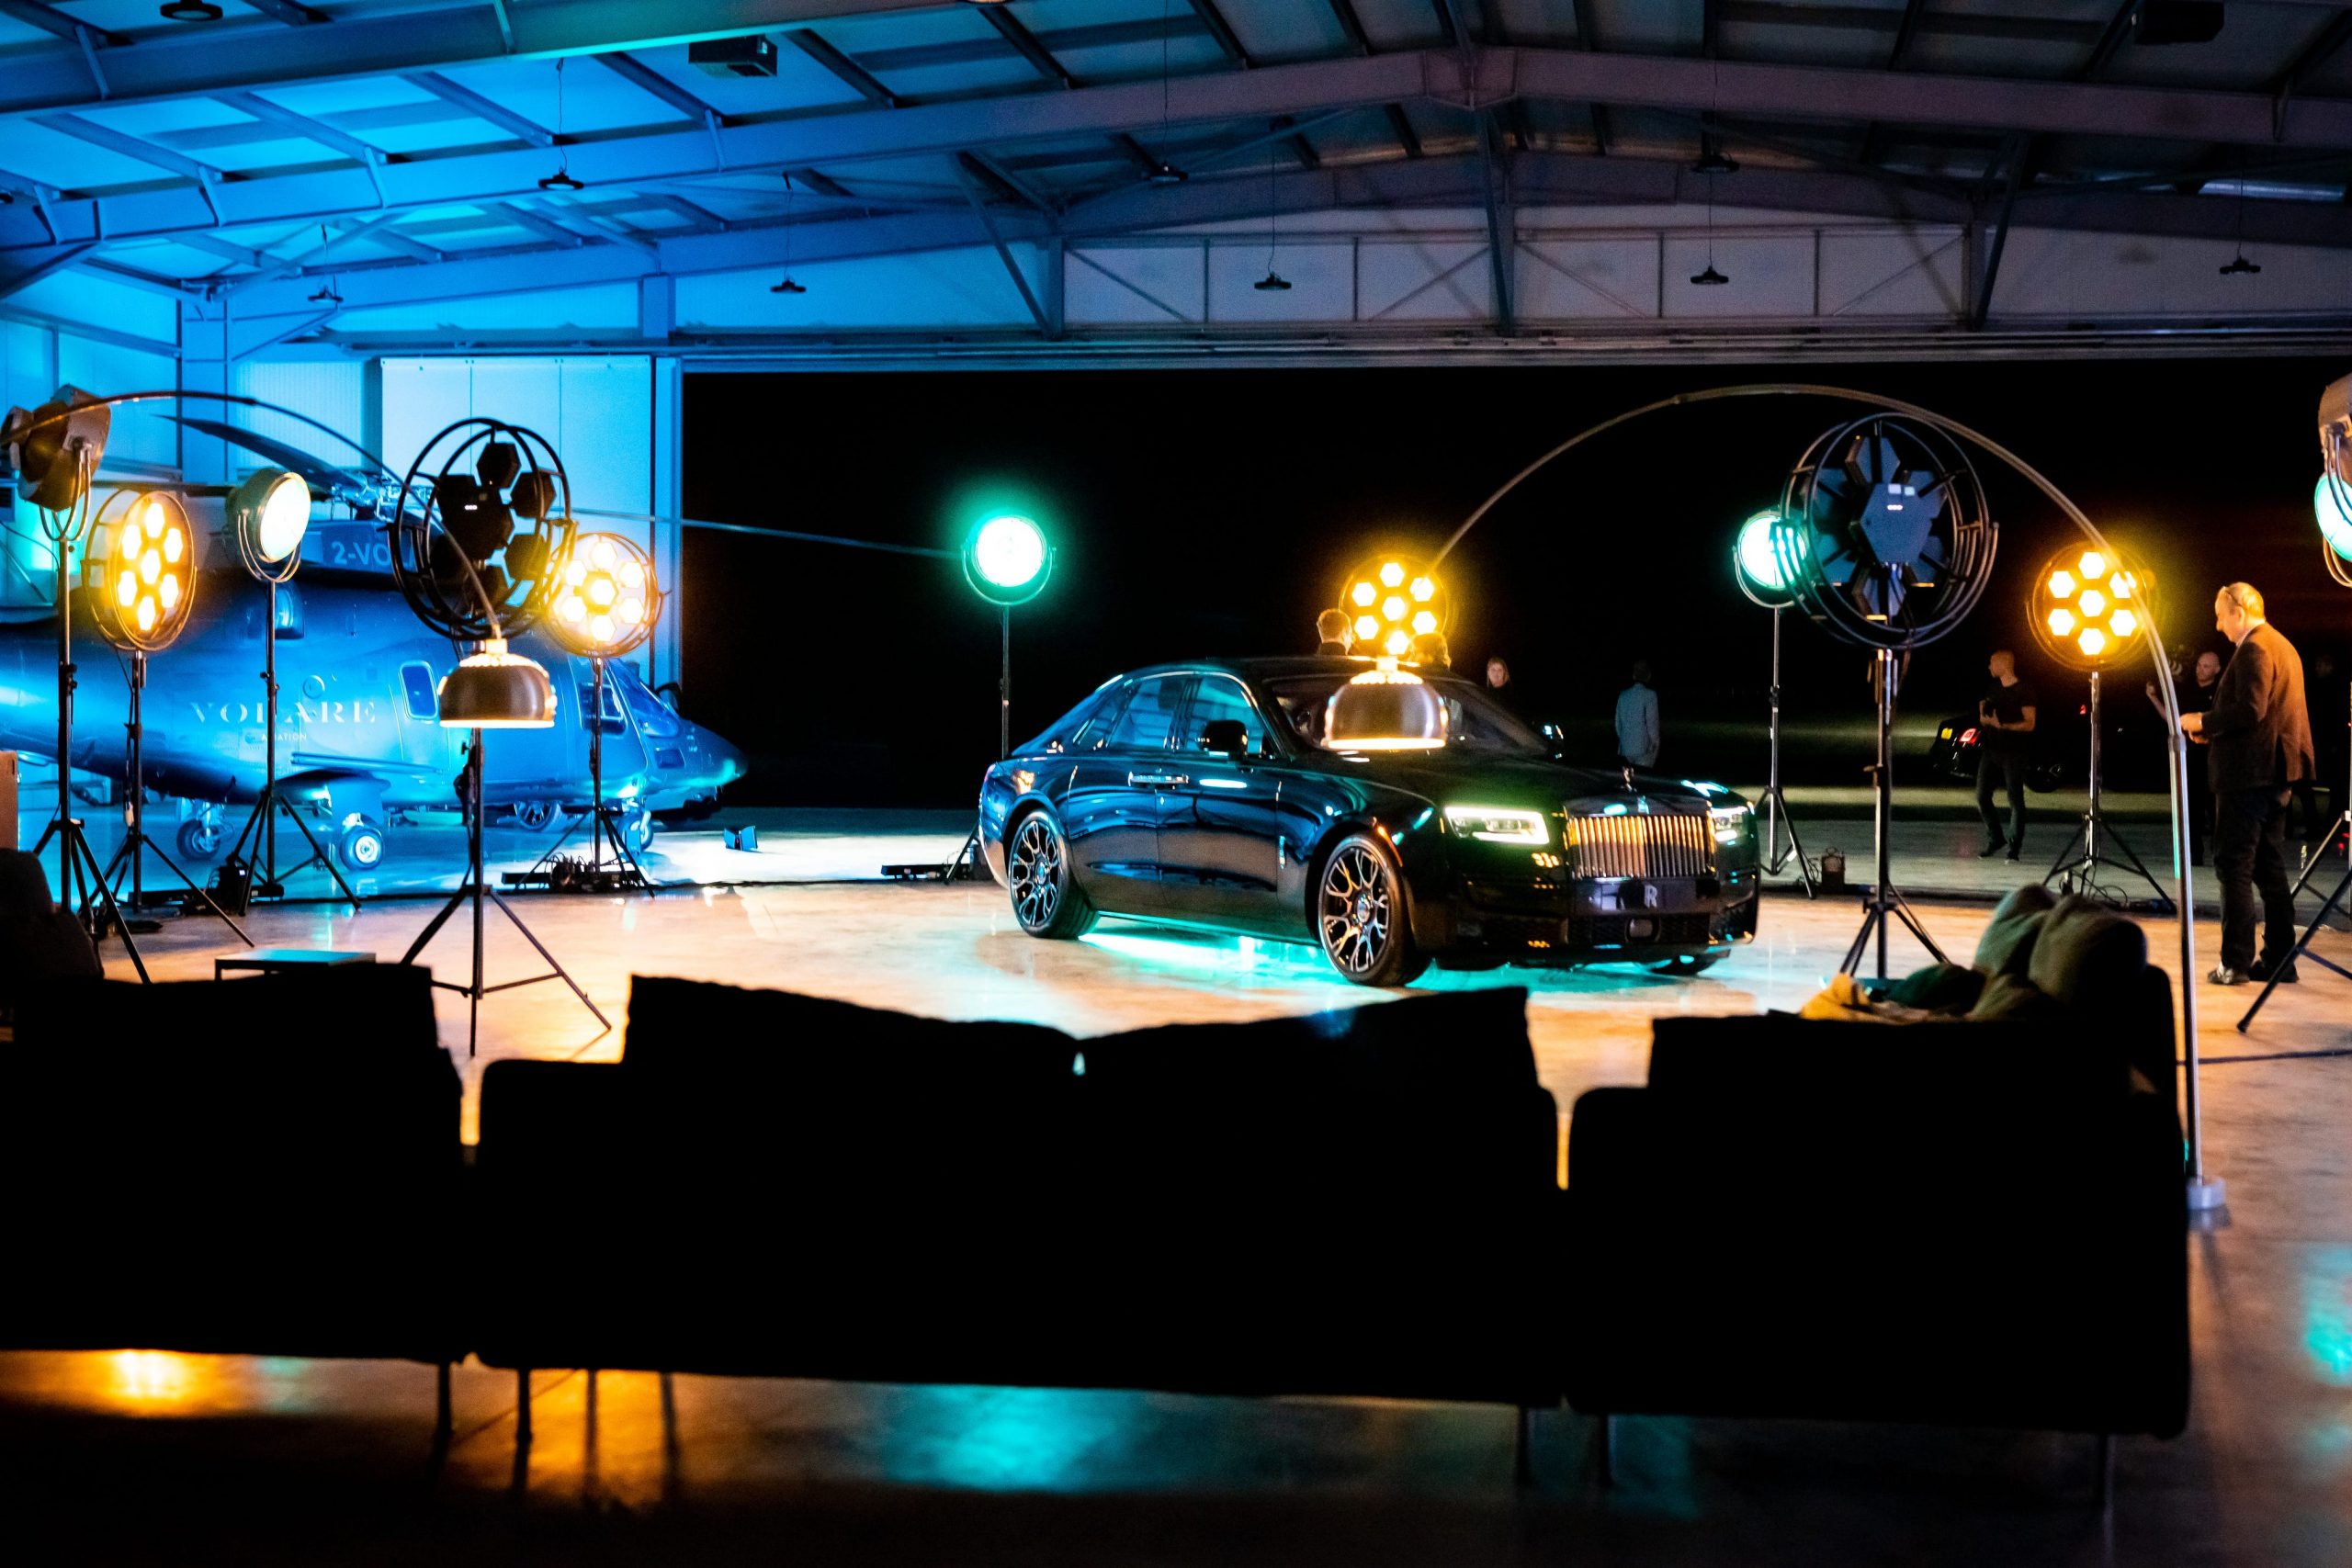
[497, 690]
[271, 511]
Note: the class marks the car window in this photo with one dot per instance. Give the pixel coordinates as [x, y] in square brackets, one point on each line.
[1149, 722]
[1222, 697]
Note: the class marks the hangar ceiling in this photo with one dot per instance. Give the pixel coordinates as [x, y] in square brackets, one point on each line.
[1434, 179]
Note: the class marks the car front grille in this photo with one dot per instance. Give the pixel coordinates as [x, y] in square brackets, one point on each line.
[1640, 846]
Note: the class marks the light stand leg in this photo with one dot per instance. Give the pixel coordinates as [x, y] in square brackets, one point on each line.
[1004, 686]
[261, 824]
[1776, 805]
[2078, 872]
[476, 892]
[2301, 949]
[135, 842]
[1886, 904]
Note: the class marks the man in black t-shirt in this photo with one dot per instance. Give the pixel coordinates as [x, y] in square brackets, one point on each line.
[2004, 721]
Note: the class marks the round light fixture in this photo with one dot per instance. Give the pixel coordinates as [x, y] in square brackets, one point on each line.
[139, 571]
[1006, 559]
[1397, 602]
[2089, 610]
[270, 512]
[2334, 523]
[606, 598]
[1756, 564]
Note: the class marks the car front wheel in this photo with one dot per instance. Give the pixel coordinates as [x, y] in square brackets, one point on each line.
[1046, 900]
[1359, 915]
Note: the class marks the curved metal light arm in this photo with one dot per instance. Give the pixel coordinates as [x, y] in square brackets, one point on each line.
[2188, 904]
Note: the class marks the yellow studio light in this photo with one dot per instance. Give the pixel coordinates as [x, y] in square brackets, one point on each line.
[570, 608]
[126, 589]
[629, 612]
[1399, 642]
[128, 548]
[601, 591]
[1365, 593]
[2123, 623]
[600, 554]
[2062, 584]
[151, 567]
[2093, 602]
[174, 545]
[2062, 622]
[601, 628]
[1424, 623]
[575, 572]
[1423, 590]
[1366, 629]
[1393, 608]
[170, 590]
[2092, 564]
[2120, 586]
[2092, 642]
[606, 598]
[1391, 574]
[152, 514]
[146, 614]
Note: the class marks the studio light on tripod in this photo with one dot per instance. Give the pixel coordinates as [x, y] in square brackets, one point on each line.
[492, 689]
[606, 599]
[270, 512]
[2089, 612]
[1757, 563]
[1394, 602]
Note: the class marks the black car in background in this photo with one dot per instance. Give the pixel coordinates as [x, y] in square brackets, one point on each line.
[1392, 815]
[2132, 740]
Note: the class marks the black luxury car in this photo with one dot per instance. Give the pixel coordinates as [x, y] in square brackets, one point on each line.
[1392, 815]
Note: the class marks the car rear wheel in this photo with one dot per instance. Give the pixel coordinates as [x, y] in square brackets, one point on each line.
[1359, 915]
[1046, 900]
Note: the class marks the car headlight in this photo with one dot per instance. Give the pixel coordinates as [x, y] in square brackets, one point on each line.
[1730, 822]
[1499, 824]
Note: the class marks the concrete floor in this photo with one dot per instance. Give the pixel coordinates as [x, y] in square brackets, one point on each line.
[148, 1457]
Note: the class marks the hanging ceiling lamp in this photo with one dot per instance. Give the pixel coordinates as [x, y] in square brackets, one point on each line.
[1164, 173]
[1273, 282]
[789, 286]
[561, 179]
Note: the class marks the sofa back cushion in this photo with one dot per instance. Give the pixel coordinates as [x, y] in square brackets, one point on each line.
[2006, 946]
[2087, 955]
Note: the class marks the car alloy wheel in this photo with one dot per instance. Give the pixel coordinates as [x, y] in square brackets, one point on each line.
[1035, 873]
[1357, 917]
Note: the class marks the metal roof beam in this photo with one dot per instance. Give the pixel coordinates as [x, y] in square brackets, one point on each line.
[1539, 179]
[57, 24]
[286, 11]
[868, 85]
[651, 82]
[204, 60]
[1738, 88]
[114, 140]
[1024, 44]
[1213, 19]
[302, 125]
[545, 228]
[481, 108]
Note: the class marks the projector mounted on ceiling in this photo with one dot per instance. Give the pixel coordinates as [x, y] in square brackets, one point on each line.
[752, 55]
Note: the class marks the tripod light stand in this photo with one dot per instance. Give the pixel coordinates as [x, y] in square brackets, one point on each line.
[269, 512]
[1885, 902]
[458, 561]
[139, 578]
[607, 601]
[1756, 566]
[2089, 610]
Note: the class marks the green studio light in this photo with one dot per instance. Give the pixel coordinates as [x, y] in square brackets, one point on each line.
[1756, 558]
[1007, 559]
[2334, 526]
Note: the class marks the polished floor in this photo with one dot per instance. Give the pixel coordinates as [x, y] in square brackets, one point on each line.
[148, 1457]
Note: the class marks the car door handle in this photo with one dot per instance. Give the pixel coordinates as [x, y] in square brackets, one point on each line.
[1158, 779]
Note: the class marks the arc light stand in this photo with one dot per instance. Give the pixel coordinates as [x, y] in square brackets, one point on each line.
[2339, 898]
[2078, 872]
[80, 879]
[261, 826]
[1776, 805]
[136, 844]
[476, 890]
[1883, 902]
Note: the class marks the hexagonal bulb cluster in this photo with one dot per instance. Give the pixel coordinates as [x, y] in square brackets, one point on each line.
[1393, 603]
[602, 599]
[2088, 605]
[143, 572]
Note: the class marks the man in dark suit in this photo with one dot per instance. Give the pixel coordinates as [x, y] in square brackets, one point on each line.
[2261, 745]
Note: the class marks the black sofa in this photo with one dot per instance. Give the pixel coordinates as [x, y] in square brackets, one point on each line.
[266, 1165]
[1956, 1223]
[1358, 1202]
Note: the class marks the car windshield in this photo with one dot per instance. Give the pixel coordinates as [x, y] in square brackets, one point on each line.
[1341, 712]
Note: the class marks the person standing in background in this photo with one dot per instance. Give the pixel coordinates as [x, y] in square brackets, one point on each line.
[1332, 631]
[2006, 717]
[1499, 690]
[2261, 739]
[1638, 726]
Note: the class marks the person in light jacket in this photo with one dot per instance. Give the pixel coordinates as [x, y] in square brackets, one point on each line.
[1637, 731]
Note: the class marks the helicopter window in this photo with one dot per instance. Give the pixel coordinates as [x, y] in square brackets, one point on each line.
[416, 681]
[611, 721]
[653, 716]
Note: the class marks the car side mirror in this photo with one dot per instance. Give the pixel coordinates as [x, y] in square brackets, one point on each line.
[1225, 738]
